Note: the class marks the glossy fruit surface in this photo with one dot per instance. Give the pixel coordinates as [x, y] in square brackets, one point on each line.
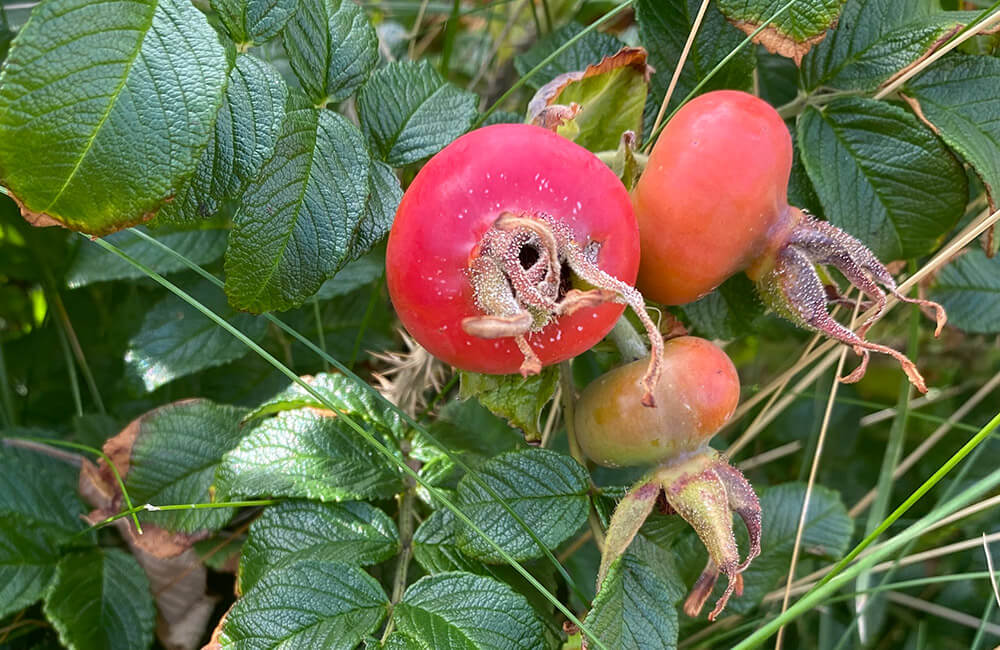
[712, 195]
[697, 393]
[459, 195]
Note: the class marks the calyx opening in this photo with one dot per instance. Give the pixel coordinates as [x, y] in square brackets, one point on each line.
[522, 275]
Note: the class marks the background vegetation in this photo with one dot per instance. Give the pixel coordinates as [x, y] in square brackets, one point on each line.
[314, 511]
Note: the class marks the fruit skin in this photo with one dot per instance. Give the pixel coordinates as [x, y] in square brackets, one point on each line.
[696, 395]
[713, 195]
[458, 195]
[712, 202]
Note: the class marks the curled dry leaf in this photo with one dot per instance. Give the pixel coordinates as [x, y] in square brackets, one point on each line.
[777, 42]
[175, 571]
[621, 90]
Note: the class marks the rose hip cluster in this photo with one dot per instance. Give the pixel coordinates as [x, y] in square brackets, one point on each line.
[514, 248]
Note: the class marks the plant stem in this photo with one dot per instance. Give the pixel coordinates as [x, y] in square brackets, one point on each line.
[440, 395]
[286, 347]
[6, 399]
[369, 310]
[149, 507]
[813, 470]
[74, 343]
[320, 334]
[569, 407]
[450, 32]
[680, 63]
[608, 158]
[416, 28]
[625, 337]
[711, 73]
[977, 641]
[407, 514]
[74, 383]
[548, 15]
[534, 17]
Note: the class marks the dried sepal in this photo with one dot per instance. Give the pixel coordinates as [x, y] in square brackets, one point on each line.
[791, 286]
[518, 273]
[705, 490]
[628, 517]
[406, 377]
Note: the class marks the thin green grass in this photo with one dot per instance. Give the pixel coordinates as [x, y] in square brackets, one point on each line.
[844, 571]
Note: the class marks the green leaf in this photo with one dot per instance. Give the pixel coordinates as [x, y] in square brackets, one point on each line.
[177, 340]
[112, 130]
[955, 97]
[359, 273]
[875, 40]
[663, 28]
[332, 49]
[293, 230]
[547, 490]
[245, 133]
[518, 399]
[611, 95]
[468, 428]
[397, 641]
[882, 176]
[252, 22]
[464, 430]
[408, 111]
[634, 608]
[588, 50]
[461, 611]
[175, 450]
[969, 288]
[346, 394]
[348, 533]
[731, 311]
[94, 264]
[306, 453]
[435, 548]
[306, 605]
[384, 195]
[39, 510]
[100, 600]
[792, 33]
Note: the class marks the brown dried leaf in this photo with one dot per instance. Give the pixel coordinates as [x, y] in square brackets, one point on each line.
[548, 94]
[37, 219]
[552, 117]
[176, 573]
[777, 42]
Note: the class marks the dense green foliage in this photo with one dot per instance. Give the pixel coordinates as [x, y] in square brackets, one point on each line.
[312, 478]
